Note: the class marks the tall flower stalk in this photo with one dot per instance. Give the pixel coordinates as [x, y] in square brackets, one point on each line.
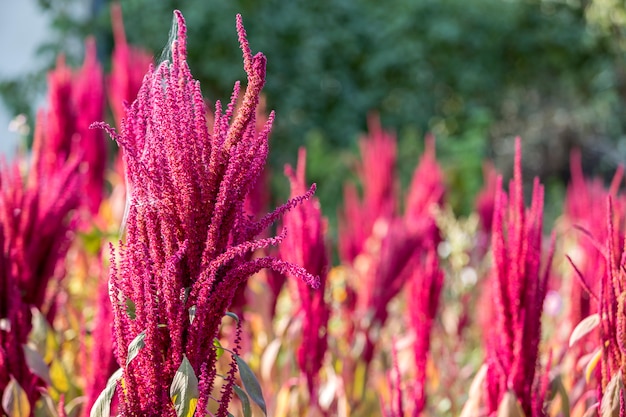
[518, 290]
[424, 292]
[128, 66]
[76, 100]
[36, 223]
[377, 172]
[188, 235]
[583, 211]
[305, 245]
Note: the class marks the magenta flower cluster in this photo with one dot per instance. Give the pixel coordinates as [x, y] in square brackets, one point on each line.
[187, 234]
[518, 289]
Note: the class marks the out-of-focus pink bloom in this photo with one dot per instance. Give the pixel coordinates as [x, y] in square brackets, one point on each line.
[485, 199]
[188, 236]
[128, 66]
[76, 100]
[305, 245]
[612, 310]
[382, 245]
[427, 190]
[518, 291]
[88, 98]
[36, 222]
[15, 316]
[582, 211]
[395, 406]
[385, 272]
[377, 173]
[424, 291]
[102, 362]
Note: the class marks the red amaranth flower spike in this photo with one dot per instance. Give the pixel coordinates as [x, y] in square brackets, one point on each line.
[36, 222]
[519, 289]
[76, 100]
[128, 66]
[612, 310]
[424, 292]
[583, 212]
[377, 174]
[101, 360]
[305, 245]
[427, 189]
[188, 235]
[486, 197]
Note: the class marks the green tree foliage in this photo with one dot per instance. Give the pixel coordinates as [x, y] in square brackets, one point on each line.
[446, 66]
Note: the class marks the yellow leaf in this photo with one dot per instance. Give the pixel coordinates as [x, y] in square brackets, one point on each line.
[58, 376]
[193, 402]
[15, 401]
[282, 402]
[592, 364]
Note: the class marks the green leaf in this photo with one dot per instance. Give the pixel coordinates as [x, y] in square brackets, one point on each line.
[102, 406]
[184, 390]
[36, 364]
[135, 346]
[192, 314]
[251, 384]
[218, 347]
[58, 376]
[131, 309]
[584, 327]
[556, 386]
[15, 401]
[245, 401]
[233, 316]
[41, 337]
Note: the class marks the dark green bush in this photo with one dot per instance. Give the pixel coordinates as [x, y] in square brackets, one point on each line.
[470, 71]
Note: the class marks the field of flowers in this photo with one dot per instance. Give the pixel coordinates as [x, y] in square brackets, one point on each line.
[162, 284]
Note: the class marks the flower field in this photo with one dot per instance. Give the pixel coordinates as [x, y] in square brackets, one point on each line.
[158, 281]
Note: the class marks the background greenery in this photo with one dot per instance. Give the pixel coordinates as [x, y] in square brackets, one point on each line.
[474, 72]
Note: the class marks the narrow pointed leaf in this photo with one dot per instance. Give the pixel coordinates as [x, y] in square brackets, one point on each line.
[233, 316]
[592, 411]
[584, 327]
[591, 366]
[58, 376]
[251, 384]
[131, 309]
[184, 390]
[219, 350]
[36, 364]
[510, 406]
[102, 406]
[135, 346]
[610, 405]
[245, 401]
[15, 401]
[473, 403]
[192, 314]
[41, 337]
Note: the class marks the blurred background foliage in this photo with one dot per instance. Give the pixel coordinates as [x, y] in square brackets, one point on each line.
[475, 73]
